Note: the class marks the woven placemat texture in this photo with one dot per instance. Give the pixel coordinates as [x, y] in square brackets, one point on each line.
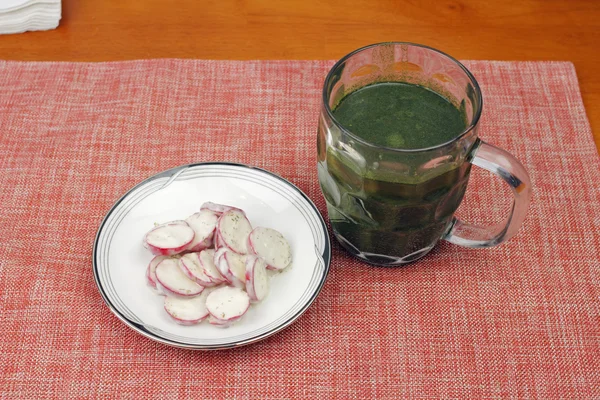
[518, 321]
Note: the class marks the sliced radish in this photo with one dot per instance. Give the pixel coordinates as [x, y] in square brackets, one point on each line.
[234, 228]
[217, 208]
[172, 281]
[169, 238]
[232, 267]
[271, 246]
[213, 246]
[191, 266]
[174, 222]
[236, 268]
[207, 260]
[204, 224]
[220, 323]
[220, 262]
[187, 311]
[217, 240]
[227, 303]
[257, 280]
[151, 271]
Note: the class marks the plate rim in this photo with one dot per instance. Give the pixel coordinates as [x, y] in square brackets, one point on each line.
[173, 172]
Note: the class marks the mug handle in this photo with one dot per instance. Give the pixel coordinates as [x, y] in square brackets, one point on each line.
[507, 167]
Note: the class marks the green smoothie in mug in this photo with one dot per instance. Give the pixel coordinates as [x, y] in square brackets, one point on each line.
[397, 139]
[400, 115]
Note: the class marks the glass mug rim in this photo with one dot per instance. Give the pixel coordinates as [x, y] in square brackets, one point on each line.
[468, 73]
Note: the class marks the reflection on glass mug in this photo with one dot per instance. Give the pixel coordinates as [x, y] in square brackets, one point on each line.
[396, 141]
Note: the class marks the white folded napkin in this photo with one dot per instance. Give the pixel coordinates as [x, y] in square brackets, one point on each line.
[18, 16]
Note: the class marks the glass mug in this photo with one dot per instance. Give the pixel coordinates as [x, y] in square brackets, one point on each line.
[390, 206]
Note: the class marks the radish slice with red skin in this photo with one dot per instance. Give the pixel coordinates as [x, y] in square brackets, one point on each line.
[227, 303]
[232, 266]
[234, 228]
[224, 266]
[172, 281]
[170, 238]
[151, 271]
[257, 280]
[191, 266]
[204, 224]
[218, 241]
[176, 222]
[236, 268]
[187, 311]
[221, 264]
[151, 282]
[207, 258]
[217, 323]
[271, 246]
[217, 208]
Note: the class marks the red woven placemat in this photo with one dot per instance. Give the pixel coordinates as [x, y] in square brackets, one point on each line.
[518, 321]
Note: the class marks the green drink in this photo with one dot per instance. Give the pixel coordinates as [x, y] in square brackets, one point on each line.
[400, 115]
[395, 215]
[396, 141]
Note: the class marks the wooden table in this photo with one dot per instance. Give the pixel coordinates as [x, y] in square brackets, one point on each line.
[313, 29]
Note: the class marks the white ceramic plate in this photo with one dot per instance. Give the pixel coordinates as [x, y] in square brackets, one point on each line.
[120, 260]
